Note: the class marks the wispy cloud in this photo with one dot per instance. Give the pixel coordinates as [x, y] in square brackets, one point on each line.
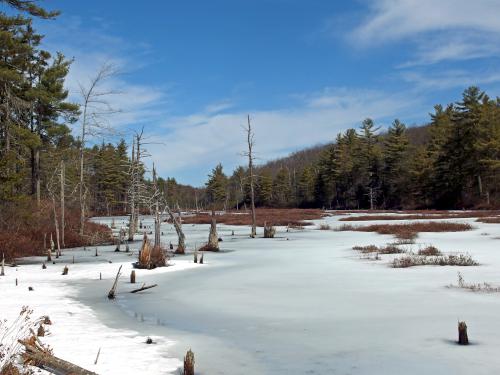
[202, 140]
[441, 30]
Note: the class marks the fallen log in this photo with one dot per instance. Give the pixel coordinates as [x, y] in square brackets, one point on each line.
[112, 292]
[37, 356]
[143, 287]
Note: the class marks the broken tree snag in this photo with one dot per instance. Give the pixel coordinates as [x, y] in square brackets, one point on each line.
[201, 258]
[195, 256]
[132, 277]
[181, 246]
[112, 292]
[189, 363]
[65, 270]
[36, 355]
[143, 287]
[49, 255]
[150, 256]
[269, 231]
[463, 339]
[213, 238]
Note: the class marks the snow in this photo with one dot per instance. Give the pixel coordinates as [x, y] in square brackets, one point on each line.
[303, 302]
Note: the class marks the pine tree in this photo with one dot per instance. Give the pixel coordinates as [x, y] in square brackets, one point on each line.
[217, 187]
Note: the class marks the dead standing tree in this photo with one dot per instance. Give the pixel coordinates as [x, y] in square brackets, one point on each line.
[95, 111]
[51, 187]
[250, 155]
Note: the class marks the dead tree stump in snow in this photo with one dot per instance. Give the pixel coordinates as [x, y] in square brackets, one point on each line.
[49, 255]
[269, 231]
[112, 292]
[463, 339]
[132, 277]
[195, 256]
[65, 270]
[189, 363]
[44, 266]
[2, 269]
[213, 238]
[201, 259]
[96, 252]
[41, 331]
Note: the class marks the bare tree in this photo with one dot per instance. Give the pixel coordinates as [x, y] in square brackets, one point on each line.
[96, 110]
[250, 155]
[51, 188]
[62, 180]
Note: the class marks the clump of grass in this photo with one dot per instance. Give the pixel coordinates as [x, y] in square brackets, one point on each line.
[366, 249]
[345, 227]
[389, 249]
[412, 260]
[484, 287]
[429, 251]
[324, 227]
[404, 241]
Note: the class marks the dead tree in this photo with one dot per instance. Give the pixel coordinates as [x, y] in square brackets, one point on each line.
[37, 355]
[112, 292]
[95, 110]
[189, 363]
[181, 246]
[51, 190]
[250, 155]
[62, 176]
[463, 339]
[213, 238]
[269, 231]
[132, 277]
[143, 287]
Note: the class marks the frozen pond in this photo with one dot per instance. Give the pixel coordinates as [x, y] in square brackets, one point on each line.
[305, 303]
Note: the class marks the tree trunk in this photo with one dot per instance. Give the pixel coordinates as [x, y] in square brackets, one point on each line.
[181, 246]
[56, 224]
[46, 361]
[213, 238]
[63, 172]
[462, 334]
[250, 169]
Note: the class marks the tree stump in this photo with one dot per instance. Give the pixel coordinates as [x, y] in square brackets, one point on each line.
[41, 331]
[132, 277]
[463, 339]
[65, 270]
[96, 254]
[49, 255]
[195, 256]
[201, 258]
[213, 238]
[269, 231]
[189, 363]
[44, 266]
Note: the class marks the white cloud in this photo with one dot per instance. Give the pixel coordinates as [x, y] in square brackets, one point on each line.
[442, 30]
[205, 139]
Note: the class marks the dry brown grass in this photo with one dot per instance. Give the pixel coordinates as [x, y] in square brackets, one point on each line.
[389, 249]
[423, 215]
[324, 227]
[429, 251]
[271, 216]
[484, 287]
[412, 260]
[409, 231]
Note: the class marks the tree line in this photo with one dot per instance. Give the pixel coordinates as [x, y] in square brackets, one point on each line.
[452, 164]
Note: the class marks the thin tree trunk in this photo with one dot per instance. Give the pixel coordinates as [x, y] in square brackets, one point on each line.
[56, 224]
[63, 225]
[250, 169]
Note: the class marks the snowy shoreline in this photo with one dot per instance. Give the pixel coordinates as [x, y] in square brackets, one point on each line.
[76, 333]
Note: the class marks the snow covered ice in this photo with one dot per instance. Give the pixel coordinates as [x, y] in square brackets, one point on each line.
[301, 303]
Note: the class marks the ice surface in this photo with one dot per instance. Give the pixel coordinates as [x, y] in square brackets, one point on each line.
[301, 303]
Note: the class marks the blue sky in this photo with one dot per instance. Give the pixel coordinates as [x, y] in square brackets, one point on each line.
[190, 71]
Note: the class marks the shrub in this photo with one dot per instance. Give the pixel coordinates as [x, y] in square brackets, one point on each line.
[324, 227]
[412, 260]
[429, 251]
[389, 249]
[345, 227]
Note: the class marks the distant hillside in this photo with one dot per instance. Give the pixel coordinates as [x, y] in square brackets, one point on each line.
[297, 160]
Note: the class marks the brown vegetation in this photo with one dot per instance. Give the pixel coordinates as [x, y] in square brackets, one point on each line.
[421, 215]
[389, 249]
[429, 251]
[484, 287]
[413, 260]
[408, 231]
[274, 216]
[23, 226]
